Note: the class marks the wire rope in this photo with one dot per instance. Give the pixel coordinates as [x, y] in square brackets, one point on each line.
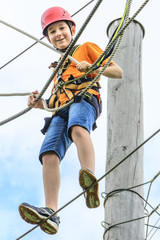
[25, 50]
[92, 68]
[14, 94]
[58, 65]
[39, 41]
[56, 69]
[127, 221]
[104, 174]
[110, 194]
[126, 13]
[121, 32]
[154, 210]
[102, 177]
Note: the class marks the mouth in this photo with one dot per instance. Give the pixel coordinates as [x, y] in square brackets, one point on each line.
[60, 40]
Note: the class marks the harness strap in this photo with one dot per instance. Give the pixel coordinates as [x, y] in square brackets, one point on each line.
[70, 90]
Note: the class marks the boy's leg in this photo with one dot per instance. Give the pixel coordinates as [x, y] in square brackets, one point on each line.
[85, 149]
[51, 179]
[52, 151]
[82, 139]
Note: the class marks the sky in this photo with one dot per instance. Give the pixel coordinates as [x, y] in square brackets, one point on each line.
[21, 172]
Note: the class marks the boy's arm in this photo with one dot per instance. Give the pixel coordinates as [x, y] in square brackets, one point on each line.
[112, 71]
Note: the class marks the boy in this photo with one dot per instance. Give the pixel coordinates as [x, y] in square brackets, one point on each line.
[73, 123]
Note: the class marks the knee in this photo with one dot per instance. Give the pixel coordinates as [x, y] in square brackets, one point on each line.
[78, 132]
[50, 159]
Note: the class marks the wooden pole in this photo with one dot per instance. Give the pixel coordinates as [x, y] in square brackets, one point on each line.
[124, 133]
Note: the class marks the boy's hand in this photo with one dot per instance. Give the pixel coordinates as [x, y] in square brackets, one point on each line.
[83, 66]
[32, 103]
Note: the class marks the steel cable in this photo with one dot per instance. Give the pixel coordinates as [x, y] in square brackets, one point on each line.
[42, 38]
[102, 177]
[61, 62]
[58, 65]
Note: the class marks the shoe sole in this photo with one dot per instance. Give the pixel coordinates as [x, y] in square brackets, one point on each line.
[86, 178]
[31, 216]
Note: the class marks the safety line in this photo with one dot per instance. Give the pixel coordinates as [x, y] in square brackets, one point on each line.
[110, 46]
[83, 193]
[148, 225]
[69, 48]
[156, 229]
[56, 69]
[121, 32]
[127, 9]
[157, 175]
[152, 226]
[103, 176]
[15, 94]
[154, 210]
[154, 134]
[42, 37]
[110, 194]
[59, 64]
[39, 41]
[131, 220]
[25, 50]
[125, 16]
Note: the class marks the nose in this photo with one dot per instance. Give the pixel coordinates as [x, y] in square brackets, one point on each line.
[58, 33]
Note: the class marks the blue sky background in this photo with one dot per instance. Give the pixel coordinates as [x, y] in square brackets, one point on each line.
[20, 171]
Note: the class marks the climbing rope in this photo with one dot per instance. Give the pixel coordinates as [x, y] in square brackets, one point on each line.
[60, 85]
[108, 227]
[155, 209]
[102, 177]
[14, 94]
[43, 37]
[126, 13]
[58, 65]
[115, 38]
[66, 54]
[34, 38]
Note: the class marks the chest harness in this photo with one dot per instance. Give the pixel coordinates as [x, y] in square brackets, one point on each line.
[70, 89]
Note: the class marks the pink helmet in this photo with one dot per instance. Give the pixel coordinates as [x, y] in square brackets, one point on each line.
[54, 14]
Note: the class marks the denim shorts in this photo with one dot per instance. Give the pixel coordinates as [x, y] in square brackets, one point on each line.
[58, 136]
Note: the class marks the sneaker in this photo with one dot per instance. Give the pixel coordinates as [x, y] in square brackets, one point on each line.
[35, 215]
[86, 178]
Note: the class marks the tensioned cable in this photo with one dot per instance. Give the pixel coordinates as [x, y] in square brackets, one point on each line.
[42, 37]
[108, 46]
[127, 8]
[125, 16]
[56, 69]
[34, 38]
[148, 225]
[58, 65]
[107, 195]
[103, 176]
[120, 32]
[106, 65]
[156, 228]
[109, 51]
[50, 216]
[128, 221]
[15, 94]
[126, 13]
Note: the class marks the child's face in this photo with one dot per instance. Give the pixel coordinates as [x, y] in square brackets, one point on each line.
[59, 34]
